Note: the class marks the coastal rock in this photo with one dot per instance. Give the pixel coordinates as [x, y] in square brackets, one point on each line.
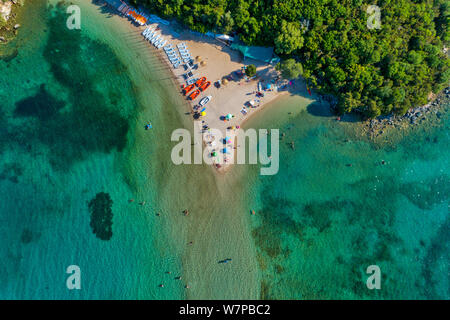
[2, 39]
[17, 26]
[5, 9]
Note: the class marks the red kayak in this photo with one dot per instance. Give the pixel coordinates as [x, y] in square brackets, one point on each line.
[205, 86]
[188, 89]
[194, 94]
[200, 81]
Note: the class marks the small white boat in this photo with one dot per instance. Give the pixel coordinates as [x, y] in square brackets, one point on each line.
[205, 100]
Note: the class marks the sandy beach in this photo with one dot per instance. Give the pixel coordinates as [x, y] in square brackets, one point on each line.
[217, 61]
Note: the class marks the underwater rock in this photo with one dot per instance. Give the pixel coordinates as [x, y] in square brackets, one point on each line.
[101, 215]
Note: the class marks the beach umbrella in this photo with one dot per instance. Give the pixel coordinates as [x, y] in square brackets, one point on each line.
[224, 81]
[214, 154]
[229, 116]
[225, 150]
[203, 114]
[198, 58]
[203, 63]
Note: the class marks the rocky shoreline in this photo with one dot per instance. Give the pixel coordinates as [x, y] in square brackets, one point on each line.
[8, 26]
[431, 112]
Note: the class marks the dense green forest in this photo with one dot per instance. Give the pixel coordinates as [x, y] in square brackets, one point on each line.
[376, 71]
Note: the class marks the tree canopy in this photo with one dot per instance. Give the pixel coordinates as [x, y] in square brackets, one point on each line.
[376, 71]
[290, 69]
[250, 70]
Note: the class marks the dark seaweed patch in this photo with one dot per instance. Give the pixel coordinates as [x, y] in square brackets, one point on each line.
[101, 215]
[42, 105]
[29, 236]
[11, 172]
[89, 121]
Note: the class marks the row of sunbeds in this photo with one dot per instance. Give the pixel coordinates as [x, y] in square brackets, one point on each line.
[184, 52]
[172, 56]
[154, 38]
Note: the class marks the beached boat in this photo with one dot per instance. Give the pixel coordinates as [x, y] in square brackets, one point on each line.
[205, 100]
[200, 81]
[188, 89]
[194, 94]
[205, 86]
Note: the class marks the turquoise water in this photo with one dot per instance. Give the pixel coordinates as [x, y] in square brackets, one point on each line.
[320, 223]
[74, 105]
[70, 112]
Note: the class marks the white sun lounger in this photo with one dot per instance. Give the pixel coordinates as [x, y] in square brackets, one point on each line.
[153, 36]
[158, 45]
[168, 47]
[162, 44]
[147, 32]
[157, 42]
[181, 45]
[155, 39]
